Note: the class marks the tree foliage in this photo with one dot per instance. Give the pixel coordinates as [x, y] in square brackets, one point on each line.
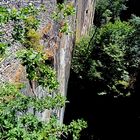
[110, 58]
[19, 122]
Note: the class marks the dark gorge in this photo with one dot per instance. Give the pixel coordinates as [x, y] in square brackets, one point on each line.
[108, 118]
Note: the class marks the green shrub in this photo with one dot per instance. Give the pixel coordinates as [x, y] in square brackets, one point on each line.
[81, 55]
[18, 123]
[104, 61]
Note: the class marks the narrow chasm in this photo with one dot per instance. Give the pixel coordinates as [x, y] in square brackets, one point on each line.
[108, 118]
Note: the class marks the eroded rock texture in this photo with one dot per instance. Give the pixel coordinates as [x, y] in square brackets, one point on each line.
[61, 47]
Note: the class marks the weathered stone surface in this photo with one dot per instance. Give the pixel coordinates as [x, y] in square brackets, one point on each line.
[85, 16]
[61, 47]
[80, 24]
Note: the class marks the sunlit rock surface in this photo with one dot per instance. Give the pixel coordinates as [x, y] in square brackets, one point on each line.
[11, 69]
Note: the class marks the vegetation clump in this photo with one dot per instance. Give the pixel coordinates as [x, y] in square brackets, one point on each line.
[109, 57]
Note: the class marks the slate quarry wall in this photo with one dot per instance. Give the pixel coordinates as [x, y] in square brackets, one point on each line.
[11, 69]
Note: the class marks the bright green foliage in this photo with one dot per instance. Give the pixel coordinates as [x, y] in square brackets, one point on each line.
[18, 123]
[4, 18]
[4, 15]
[3, 47]
[76, 127]
[63, 11]
[37, 70]
[23, 19]
[61, 16]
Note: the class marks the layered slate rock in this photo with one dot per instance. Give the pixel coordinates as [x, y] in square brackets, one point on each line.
[61, 47]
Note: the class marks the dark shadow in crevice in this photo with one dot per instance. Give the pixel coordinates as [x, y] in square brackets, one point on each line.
[132, 8]
[108, 118]
[60, 1]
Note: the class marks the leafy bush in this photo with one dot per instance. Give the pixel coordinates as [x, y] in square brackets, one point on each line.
[61, 15]
[81, 55]
[18, 123]
[111, 58]
[105, 60]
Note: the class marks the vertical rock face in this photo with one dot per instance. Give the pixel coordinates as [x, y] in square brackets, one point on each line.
[85, 16]
[11, 69]
[80, 25]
